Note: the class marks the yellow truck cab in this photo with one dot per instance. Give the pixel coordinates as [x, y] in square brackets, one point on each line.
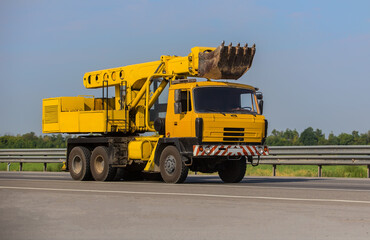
[209, 126]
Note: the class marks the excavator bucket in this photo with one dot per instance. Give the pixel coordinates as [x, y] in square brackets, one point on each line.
[226, 62]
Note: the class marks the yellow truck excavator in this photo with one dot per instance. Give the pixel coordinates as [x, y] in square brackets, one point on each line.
[206, 126]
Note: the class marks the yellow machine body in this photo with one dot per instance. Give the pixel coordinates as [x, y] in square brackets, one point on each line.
[85, 115]
[128, 113]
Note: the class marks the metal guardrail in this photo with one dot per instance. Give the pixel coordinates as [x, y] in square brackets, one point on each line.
[42, 155]
[318, 155]
[282, 155]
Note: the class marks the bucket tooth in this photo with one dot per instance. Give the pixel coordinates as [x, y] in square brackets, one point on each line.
[237, 48]
[229, 49]
[226, 62]
[245, 48]
[238, 56]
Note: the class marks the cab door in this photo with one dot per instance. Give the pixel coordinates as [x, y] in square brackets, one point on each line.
[181, 121]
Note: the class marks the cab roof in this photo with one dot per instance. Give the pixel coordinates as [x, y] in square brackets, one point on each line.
[193, 84]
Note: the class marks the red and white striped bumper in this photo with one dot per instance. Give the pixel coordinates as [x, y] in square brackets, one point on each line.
[229, 150]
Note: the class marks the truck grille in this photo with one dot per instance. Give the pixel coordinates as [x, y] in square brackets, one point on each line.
[233, 134]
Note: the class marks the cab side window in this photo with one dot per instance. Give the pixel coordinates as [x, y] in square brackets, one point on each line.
[185, 101]
[182, 101]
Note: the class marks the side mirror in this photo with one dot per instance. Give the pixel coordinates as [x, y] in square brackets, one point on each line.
[178, 107]
[260, 105]
[259, 95]
[177, 95]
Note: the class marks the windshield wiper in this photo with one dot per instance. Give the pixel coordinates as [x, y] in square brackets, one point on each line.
[212, 110]
[247, 109]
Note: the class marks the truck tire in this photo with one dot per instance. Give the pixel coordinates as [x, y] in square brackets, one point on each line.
[233, 171]
[99, 165]
[79, 164]
[173, 169]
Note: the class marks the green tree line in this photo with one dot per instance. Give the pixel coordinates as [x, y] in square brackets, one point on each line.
[30, 140]
[289, 137]
[309, 136]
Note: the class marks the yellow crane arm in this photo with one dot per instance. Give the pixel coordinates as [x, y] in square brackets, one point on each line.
[223, 62]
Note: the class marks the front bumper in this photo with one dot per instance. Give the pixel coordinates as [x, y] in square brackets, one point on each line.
[229, 150]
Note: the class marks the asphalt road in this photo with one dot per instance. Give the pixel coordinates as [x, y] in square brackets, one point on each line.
[53, 206]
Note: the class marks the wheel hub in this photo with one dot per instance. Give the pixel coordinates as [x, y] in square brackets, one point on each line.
[99, 164]
[77, 164]
[170, 164]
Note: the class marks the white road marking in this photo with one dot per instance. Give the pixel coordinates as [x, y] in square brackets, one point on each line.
[189, 195]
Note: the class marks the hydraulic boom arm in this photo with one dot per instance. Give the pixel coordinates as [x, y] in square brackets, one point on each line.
[223, 62]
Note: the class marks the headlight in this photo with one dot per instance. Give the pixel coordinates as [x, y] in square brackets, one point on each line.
[207, 150]
[260, 150]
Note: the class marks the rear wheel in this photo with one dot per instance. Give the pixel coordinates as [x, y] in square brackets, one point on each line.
[173, 169]
[99, 164]
[79, 164]
[233, 171]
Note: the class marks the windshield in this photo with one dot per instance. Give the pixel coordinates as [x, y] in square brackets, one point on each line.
[224, 100]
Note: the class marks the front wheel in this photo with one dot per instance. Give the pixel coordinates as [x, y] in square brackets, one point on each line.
[233, 171]
[173, 169]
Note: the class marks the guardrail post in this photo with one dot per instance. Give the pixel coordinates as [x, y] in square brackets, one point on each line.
[20, 166]
[319, 171]
[45, 166]
[274, 170]
[8, 167]
[368, 171]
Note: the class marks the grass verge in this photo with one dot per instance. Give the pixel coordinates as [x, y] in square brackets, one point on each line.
[308, 171]
[51, 167]
[261, 170]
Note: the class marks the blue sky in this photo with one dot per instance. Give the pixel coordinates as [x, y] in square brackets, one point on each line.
[312, 61]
